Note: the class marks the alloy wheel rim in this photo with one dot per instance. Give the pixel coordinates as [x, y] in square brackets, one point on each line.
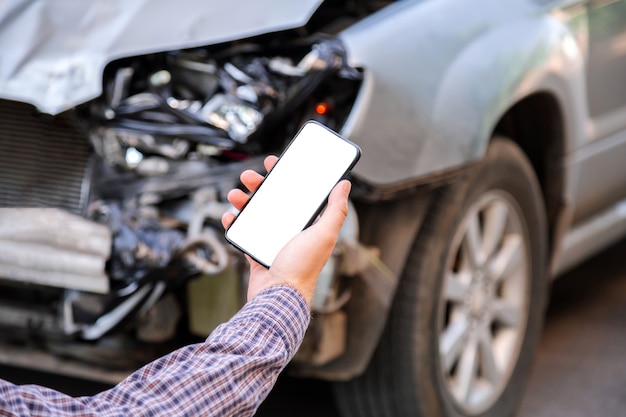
[483, 304]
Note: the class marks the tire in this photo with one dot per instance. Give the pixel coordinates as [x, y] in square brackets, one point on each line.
[469, 309]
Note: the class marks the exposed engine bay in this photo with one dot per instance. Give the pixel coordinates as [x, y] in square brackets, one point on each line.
[111, 209]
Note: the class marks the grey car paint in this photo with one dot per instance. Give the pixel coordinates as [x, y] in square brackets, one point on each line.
[601, 160]
[53, 53]
[441, 119]
[598, 217]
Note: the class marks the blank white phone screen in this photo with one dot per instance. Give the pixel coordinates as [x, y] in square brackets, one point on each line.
[292, 192]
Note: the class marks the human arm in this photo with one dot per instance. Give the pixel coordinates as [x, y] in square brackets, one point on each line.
[230, 374]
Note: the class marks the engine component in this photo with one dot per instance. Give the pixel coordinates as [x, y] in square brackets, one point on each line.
[111, 319]
[52, 247]
[233, 115]
[159, 322]
[141, 243]
[201, 106]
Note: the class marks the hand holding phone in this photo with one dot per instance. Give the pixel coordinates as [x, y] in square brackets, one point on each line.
[293, 192]
[300, 262]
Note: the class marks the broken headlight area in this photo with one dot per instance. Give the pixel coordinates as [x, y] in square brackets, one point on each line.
[176, 129]
[226, 102]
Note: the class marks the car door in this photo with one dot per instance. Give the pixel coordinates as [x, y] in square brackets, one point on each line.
[603, 178]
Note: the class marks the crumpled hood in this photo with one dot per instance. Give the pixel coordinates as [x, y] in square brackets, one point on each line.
[52, 53]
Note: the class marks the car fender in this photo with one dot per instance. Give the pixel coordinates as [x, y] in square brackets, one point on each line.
[452, 72]
[530, 56]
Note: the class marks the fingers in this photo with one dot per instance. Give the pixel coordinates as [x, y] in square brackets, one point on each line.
[237, 198]
[252, 179]
[227, 219]
[269, 162]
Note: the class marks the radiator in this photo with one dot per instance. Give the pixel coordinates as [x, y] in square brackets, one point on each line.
[44, 160]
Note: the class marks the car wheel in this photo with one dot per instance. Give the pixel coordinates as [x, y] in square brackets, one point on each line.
[469, 308]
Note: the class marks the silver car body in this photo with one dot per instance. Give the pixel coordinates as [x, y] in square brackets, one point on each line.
[439, 76]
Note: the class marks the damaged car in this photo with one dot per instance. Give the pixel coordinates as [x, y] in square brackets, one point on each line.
[492, 138]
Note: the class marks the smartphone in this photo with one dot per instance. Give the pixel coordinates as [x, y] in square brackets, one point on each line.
[293, 193]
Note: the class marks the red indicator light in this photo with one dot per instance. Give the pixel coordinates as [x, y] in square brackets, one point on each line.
[321, 108]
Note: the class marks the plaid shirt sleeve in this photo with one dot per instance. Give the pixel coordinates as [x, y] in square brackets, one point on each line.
[228, 375]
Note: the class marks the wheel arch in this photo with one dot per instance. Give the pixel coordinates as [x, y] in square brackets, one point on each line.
[536, 125]
[445, 116]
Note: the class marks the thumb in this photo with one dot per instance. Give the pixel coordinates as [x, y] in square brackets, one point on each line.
[337, 209]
